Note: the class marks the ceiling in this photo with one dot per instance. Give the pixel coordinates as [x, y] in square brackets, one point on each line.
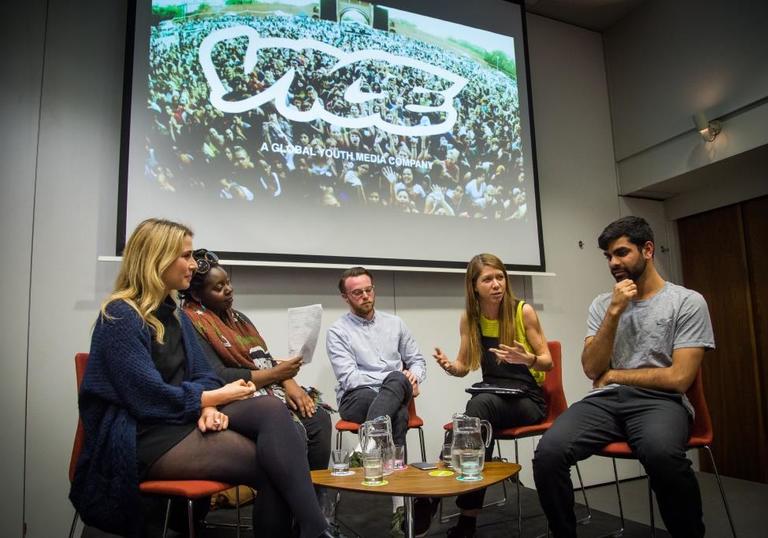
[597, 15]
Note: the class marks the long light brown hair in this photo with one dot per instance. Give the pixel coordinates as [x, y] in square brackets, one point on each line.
[153, 246]
[506, 309]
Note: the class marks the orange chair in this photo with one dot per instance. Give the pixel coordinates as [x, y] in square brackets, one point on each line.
[189, 489]
[701, 437]
[414, 421]
[556, 405]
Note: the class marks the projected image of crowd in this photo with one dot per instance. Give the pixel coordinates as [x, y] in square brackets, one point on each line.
[475, 170]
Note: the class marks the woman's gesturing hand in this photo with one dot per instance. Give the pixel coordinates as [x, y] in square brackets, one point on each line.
[443, 361]
[515, 354]
[211, 419]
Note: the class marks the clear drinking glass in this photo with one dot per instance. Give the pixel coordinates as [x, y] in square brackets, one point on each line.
[470, 464]
[447, 454]
[399, 458]
[339, 462]
[373, 467]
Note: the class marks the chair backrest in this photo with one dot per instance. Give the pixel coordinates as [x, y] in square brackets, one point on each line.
[553, 384]
[81, 361]
[702, 423]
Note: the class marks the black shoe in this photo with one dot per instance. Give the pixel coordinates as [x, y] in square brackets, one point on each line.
[456, 532]
[465, 528]
[424, 509]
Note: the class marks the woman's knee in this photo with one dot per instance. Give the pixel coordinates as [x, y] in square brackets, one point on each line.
[480, 406]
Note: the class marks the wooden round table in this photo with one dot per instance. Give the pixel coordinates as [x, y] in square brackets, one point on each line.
[411, 482]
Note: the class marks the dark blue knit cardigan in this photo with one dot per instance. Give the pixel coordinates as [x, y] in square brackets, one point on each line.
[121, 386]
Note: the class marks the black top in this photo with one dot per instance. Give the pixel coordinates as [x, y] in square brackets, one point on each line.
[508, 375]
[155, 439]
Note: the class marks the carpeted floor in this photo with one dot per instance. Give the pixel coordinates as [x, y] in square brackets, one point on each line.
[369, 516]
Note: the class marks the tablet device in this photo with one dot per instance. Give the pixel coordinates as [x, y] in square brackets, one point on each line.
[424, 466]
[480, 388]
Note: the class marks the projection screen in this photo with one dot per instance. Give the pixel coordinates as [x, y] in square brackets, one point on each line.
[334, 131]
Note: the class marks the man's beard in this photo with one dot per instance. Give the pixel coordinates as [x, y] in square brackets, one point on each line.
[633, 273]
[363, 310]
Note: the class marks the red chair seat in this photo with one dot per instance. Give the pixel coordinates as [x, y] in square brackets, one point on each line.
[414, 421]
[191, 489]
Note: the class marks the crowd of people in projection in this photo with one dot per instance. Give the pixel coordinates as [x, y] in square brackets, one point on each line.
[473, 170]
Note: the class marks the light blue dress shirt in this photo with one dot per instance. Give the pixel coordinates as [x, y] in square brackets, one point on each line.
[363, 353]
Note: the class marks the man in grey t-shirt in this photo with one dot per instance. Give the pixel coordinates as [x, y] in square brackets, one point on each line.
[644, 345]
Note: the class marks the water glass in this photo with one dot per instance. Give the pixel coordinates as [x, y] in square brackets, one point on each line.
[399, 458]
[470, 464]
[340, 462]
[447, 454]
[373, 467]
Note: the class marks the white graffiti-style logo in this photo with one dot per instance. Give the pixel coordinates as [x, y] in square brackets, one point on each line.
[278, 91]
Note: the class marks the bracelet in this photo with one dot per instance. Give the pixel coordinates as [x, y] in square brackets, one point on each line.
[535, 360]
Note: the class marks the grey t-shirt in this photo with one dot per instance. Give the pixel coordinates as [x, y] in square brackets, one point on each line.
[650, 330]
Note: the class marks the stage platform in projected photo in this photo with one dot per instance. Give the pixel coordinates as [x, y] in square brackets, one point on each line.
[334, 131]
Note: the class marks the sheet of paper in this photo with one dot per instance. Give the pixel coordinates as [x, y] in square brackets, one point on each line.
[303, 328]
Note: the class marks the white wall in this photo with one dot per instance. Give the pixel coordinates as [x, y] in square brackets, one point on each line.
[74, 215]
[669, 60]
[18, 116]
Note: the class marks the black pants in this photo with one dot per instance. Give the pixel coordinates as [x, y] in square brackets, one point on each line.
[501, 412]
[262, 449]
[364, 403]
[317, 432]
[655, 425]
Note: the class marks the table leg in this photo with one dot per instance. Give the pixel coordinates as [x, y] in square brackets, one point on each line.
[408, 504]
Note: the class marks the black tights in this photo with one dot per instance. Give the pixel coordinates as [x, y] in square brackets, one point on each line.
[262, 449]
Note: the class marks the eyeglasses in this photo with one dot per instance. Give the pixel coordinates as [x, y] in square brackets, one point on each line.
[361, 291]
[205, 259]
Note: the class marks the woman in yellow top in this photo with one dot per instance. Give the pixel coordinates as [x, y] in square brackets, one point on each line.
[502, 336]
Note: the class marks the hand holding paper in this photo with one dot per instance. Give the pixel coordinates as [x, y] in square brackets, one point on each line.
[303, 329]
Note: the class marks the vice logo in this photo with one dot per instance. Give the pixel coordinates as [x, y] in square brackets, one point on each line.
[446, 84]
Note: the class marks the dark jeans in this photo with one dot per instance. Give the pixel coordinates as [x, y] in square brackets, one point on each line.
[654, 424]
[317, 433]
[501, 412]
[364, 403]
[262, 449]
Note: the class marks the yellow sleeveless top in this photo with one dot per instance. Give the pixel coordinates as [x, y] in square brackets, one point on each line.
[490, 328]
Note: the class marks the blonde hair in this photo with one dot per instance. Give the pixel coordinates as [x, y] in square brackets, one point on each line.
[153, 246]
[506, 309]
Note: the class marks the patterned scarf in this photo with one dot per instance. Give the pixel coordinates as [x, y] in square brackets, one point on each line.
[232, 339]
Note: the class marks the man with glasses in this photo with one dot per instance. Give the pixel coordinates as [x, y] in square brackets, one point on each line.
[378, 368]
[376, 361]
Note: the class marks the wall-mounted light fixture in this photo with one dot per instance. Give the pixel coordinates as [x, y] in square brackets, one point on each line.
[707, 129]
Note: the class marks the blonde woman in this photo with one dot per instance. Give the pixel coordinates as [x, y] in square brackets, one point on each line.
[502, 336]
[152, 408]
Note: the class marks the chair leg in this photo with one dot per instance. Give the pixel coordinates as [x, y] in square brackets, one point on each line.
[74, 526]
[167, 517]
[588, 517]
[237, 510]
[722, 491]
[338, 440]
[191, 517]
[650, 507]
[618, 495]
[421, 442]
